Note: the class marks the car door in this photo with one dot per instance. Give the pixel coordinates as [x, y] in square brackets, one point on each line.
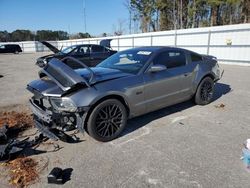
[168, 86]
[9, 49]
[97, 54]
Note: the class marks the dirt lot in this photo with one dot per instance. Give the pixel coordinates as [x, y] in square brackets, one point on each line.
[180, 146]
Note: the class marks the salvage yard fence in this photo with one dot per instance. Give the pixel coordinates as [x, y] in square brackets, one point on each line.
[229, 43]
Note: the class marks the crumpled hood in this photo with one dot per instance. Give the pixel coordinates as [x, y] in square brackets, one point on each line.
[47, 87]
[44, 87]
[102, 74]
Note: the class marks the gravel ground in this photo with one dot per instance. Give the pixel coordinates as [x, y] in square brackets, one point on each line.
[180, 146]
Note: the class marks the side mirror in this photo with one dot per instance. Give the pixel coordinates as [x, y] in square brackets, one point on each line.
[157, 68]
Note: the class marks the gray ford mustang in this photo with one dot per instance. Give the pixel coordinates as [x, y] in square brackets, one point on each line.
[127, 84]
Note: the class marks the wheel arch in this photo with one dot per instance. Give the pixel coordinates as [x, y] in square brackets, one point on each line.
[198, 81]
[110, 96]
[209, 74]
[204, 76]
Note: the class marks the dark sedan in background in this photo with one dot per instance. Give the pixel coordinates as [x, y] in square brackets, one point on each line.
[89, 54]
[10, 48]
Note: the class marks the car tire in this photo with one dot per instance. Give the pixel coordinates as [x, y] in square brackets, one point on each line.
[16, 52]
[107, 120]
[204, 92]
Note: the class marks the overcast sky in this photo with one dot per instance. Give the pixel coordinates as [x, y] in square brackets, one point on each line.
[66, 15]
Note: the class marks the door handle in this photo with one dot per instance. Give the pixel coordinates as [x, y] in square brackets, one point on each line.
[186, 74]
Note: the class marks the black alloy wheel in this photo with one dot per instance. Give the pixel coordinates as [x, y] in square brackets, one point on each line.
[107, 120]
[205, 91]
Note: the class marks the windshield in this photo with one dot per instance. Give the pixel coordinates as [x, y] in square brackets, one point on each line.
[129, 61]
[68, 49]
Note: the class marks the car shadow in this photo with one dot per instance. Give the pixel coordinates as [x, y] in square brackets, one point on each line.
[141, 121]
[138, 122]
[220, 90]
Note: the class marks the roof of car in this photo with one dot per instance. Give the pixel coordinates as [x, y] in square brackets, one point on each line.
[155, 48]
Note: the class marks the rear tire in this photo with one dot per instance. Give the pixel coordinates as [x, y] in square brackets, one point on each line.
[205, 91]
[107, 120]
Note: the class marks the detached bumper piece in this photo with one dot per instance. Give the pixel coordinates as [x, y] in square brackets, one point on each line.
[12, 148]
[48, 123]
[45, 131]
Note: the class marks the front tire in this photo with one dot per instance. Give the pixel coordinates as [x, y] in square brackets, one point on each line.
[205, 91]
[107, 120]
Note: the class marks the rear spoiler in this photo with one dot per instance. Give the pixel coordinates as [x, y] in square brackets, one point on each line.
[209, 57]
[64, 76]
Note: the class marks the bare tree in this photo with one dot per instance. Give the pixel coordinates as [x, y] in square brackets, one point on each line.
[119, 28]
[130, 10]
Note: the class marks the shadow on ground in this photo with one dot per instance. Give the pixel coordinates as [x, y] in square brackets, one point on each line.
[138, 122]
[220, 90]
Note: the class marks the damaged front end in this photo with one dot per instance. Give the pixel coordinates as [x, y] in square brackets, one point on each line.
[53, 111]
[48, 119]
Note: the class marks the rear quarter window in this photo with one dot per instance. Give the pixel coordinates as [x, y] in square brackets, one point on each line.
[195, 57]
[171, 59]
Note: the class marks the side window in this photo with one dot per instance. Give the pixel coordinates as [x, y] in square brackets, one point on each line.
[83, 50]
[97, 49]
[195, 57]
[75, 51]
[2, 47]
[171, 59]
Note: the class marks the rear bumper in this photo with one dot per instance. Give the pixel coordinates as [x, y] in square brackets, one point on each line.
[219, 73]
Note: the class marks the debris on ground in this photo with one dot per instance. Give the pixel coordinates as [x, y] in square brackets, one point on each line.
[1, 76]
[26, 147]
[59, 176]
[220, 106]
[3, 132]
[23, 171]
[15, 149]
[55, 176]
[21, 120]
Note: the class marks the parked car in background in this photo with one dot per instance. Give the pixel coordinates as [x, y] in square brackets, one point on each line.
[10, 48]
[127, 84]
[90, 54]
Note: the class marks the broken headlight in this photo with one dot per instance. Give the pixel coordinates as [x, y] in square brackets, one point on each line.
[63, 104]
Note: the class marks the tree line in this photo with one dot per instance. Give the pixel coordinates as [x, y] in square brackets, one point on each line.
[158, 15]
[40, 35]
[155, 15]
